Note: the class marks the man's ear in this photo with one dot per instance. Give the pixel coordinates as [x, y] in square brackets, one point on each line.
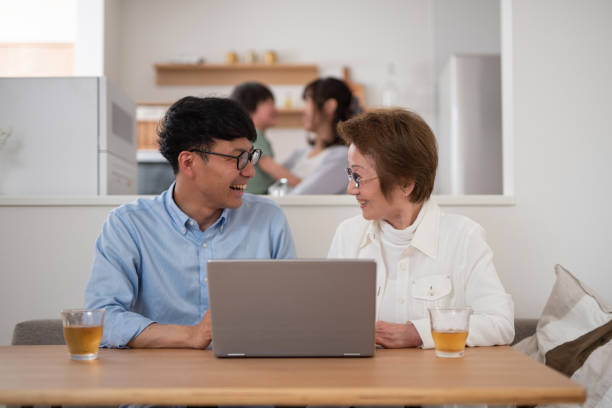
[329, 107]
[186, 163]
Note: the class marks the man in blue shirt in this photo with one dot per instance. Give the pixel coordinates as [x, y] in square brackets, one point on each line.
[149, 271]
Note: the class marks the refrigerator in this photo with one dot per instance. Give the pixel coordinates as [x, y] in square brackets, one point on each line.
[66, 136]
[470, 126]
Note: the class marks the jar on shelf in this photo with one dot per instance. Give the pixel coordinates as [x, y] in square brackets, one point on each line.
[250, 57]
[231, 57]
[270, 58]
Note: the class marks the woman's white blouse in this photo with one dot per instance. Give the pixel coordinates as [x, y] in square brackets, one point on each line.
[447, 263]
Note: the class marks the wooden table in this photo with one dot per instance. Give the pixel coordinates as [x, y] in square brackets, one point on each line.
[44, 375]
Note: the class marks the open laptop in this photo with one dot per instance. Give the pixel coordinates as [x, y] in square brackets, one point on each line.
[292, 308]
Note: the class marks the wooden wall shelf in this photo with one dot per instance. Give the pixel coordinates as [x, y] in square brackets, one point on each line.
[289, 118]
[147, 128]
[223, 74]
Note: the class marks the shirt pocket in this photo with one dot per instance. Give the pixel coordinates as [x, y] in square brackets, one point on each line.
[431, 290]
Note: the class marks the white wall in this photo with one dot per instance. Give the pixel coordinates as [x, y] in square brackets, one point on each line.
[464, 27]
[89, 42]
[37, 21]
[562, 103]
[365, 35]
[112, 40]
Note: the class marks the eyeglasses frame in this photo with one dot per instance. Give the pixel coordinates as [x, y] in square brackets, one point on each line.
[357, 183]
[255, 152]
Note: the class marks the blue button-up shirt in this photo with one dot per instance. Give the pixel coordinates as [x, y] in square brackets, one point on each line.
[150, 262]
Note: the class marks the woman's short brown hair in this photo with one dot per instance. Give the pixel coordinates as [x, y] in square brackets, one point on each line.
[402, 145]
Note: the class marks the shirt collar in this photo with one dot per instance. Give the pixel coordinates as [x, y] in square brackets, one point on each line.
[181, 220]
[425, 237]
[178, 217]
[372, 233]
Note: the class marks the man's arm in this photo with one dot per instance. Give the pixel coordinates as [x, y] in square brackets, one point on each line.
[157, 335]
[280, 234]
[114, 286]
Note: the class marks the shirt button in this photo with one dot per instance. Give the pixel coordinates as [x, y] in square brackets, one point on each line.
[191, 223]
[206, 280]
[401, 301]
[204, 245]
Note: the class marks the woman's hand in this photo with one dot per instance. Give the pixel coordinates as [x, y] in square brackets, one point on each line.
[395, 335]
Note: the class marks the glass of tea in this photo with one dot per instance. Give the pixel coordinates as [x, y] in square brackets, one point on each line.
[83, 332]
[449, 328]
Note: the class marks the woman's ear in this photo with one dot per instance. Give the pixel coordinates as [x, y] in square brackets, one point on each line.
[329, 107]
[407, 188]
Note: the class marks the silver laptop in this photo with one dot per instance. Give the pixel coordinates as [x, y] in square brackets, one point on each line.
[292, 308]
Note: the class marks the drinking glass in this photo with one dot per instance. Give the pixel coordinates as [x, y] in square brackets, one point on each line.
[449, 328]
[83, 332]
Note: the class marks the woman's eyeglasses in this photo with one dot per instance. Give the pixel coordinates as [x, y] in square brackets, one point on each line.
[356, 179]
[241, 160]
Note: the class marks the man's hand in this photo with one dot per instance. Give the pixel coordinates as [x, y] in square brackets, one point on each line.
[201, 332]
[175, 336]
[394, 335]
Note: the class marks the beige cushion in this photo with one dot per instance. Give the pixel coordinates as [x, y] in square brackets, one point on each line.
[573, 336]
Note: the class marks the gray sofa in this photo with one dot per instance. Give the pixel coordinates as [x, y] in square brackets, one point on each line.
[50, 331]
[524, 328]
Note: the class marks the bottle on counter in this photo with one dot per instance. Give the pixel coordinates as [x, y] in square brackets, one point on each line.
[390, 91]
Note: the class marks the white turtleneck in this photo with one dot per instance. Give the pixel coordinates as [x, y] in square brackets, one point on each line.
[394, 243]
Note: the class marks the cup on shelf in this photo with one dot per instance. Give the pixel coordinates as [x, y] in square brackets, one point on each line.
[231, 57]
[250, 57]
[270, 58]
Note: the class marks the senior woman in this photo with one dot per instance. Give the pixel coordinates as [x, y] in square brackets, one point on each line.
[424, 257]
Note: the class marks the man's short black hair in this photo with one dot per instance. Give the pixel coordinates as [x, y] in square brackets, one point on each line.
[250, 94]
[195, 123]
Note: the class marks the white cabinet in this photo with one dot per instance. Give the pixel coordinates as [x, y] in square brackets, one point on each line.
[66, 136]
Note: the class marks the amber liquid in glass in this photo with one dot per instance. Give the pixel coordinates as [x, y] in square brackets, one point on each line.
[450, 341]
[83, 339]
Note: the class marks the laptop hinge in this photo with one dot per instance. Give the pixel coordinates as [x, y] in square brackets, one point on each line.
[352, 354]
[236, 354]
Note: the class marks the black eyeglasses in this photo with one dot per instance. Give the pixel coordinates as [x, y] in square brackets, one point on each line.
[356, 178]
[241, 160]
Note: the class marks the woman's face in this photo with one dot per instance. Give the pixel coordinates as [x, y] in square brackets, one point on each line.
[374, 205]
[311, 117]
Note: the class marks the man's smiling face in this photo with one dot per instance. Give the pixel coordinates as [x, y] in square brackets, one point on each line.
[218, 180]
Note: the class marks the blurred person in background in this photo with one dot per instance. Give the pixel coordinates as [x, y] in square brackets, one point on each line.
[258, 101]
[320, 166]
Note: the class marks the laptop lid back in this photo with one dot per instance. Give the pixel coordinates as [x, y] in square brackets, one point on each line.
[292, 308]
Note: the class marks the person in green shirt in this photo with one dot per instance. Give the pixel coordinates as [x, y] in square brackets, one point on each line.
[258, 101]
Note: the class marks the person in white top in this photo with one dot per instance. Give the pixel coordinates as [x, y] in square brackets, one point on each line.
[424, 257]
[327, 102]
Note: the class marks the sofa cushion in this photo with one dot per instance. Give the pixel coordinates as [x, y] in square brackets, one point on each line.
[35, 332]
[573, 336]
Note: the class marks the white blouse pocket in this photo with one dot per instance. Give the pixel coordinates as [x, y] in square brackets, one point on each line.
[432, 290]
